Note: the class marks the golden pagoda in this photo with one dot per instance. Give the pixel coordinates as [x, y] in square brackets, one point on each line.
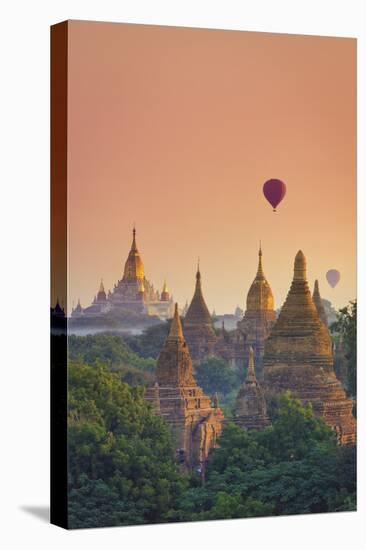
[298, 357]
[198, 325]
[134, 268]
[259, 316]
[177, 398]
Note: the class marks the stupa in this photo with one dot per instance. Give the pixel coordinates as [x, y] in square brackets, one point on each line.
[259, 316]
[250, 408]
[198, 325]
[177, 398]
[319, 303]
[298, 357]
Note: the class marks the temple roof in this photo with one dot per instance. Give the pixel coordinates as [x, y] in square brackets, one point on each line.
[319, 303]
[298, 336]
[176, 331]
[134, 268]
[174, 365]
[260, 297]
[101, 293]
[198, 314]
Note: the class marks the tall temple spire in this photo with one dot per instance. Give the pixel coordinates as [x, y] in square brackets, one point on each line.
[174, 365]
[260, 297]
[176, 331]
[133, 246]
[319, 303]
[101, 286]
[134, 268]
[260, 273]
[250, 410]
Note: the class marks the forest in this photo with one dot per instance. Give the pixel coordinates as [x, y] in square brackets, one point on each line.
[122, 468]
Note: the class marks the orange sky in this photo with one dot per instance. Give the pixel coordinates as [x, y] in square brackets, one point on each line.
[177, 129]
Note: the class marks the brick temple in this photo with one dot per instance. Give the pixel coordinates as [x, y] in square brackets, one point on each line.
[198, 326]
[250, 410]
[298, 357]
[195, 422]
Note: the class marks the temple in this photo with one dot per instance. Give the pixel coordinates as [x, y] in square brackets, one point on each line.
[194, 421]
[198, 325]
[259, 317]
[133, 292]
[253, 328]
[319, 303]
[298, 357]
[250, 410]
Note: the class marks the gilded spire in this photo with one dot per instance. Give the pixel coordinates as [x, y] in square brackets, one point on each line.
[165, 288]
[133, 246]
[176, 332]
[134, 268]
[260, 297]
[260, 274]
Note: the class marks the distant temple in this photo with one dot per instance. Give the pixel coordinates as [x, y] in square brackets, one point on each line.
[298, 357]
[132, 293]
[259, 317]
[195, 421]
[250, 410]
[319, 304]
[198, 326]
[253, 328]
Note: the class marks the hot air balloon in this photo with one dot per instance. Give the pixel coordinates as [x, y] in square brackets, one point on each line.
[274, 190]
[333, 276]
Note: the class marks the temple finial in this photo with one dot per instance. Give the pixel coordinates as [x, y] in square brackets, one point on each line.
[260, 267]
[300, 267]
[101, 286]
[176, 332]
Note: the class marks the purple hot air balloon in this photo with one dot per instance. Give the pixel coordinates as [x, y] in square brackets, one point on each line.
[333, 276]
[274, 190]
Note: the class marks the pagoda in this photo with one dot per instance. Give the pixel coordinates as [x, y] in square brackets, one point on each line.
[132, 293]
[176, 397]
[198, 325]
[259, 317]
[319, 303]
[298, 357]
[250, 408]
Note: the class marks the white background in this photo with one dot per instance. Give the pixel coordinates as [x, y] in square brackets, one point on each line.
[24, 272]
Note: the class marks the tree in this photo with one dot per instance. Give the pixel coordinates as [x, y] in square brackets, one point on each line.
[215, 375]
[294, 466]
[149, 343]
[121, 458]
[115, 353]
[346, 328]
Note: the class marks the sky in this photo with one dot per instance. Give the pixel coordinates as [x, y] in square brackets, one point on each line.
[176, 130]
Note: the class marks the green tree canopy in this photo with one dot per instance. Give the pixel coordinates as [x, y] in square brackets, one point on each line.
[346, 328]
[121, 459]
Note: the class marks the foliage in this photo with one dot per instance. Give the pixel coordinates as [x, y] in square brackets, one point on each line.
[114, 352]
[216, 375]
[150, 342]
[121, 459]
[294, 466]
[346, 328]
